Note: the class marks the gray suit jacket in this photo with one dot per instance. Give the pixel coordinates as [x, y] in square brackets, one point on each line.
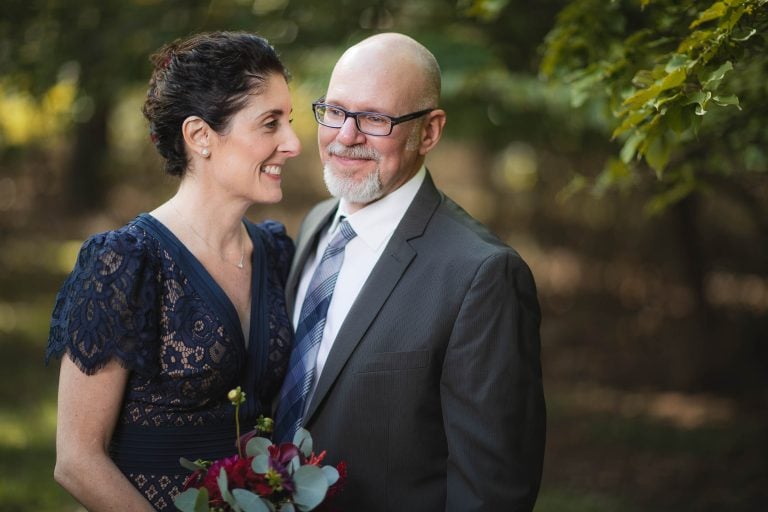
[432, 392]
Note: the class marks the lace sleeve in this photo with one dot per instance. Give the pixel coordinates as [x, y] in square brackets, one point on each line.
[280, 247]
[107, 307]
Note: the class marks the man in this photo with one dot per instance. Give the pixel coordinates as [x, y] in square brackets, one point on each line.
[422, 370]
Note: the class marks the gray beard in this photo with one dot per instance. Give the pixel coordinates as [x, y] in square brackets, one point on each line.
[364, 192]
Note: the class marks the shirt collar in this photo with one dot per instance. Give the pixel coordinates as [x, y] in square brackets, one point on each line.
[376, 222]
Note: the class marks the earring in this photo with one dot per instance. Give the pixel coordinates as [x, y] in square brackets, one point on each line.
[205, 152]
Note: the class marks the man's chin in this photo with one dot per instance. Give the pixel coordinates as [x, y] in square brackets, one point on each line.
[353, 190]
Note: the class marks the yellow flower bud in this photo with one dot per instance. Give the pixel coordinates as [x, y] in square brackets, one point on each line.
[236, 396]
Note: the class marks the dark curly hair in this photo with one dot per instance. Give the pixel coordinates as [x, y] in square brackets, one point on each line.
[208, 75]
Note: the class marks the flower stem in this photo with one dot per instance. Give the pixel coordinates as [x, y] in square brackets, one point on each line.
[237, 431]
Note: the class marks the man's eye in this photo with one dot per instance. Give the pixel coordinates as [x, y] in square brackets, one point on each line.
[374, 119]
[334, 112]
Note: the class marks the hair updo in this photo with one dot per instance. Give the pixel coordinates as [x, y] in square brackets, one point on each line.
[207, 75]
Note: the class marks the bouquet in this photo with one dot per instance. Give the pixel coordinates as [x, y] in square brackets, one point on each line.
[261, 476]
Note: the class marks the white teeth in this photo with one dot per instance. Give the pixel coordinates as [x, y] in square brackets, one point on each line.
[274, 170]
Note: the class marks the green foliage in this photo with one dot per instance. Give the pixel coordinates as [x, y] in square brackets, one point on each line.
[683, 84]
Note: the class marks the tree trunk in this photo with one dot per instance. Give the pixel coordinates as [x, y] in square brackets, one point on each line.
[88, 181]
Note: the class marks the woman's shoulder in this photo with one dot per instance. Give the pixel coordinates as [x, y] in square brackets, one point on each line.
[278, 244]
[104, 309]
[127, 242]
[275, 235]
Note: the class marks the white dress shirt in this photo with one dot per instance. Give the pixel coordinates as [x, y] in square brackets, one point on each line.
[374, 225]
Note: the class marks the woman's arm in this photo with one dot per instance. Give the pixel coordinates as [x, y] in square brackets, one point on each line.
[87, 413]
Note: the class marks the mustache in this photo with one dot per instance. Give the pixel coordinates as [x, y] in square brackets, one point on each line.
[357, 151]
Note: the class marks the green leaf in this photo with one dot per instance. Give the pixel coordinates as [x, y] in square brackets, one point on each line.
[642, 97]
[724, 101]
[311, 487]
[303, 440]
[193, 465]
[678, 118]
[643, 79]
[673, 79]
[657, 154]
[717, 10]
[677, 61]
[249, 502]
[701, 99]
[192, 500]
[712, 79]
[695, 39]
[257, 446]
[743, 35]
[631, 121]
[630, 146]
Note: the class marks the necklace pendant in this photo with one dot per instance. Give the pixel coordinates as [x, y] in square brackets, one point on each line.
[240, 265]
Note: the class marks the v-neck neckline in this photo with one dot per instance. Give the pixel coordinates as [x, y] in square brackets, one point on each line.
[209, 289]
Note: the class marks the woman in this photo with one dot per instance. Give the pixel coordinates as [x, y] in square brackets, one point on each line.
[162, 317]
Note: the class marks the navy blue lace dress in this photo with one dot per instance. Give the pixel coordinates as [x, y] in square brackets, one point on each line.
[139, 296]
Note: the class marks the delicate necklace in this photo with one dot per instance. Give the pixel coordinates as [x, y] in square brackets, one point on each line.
[198, 235]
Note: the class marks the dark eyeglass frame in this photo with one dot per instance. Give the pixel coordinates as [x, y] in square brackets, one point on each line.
[393, 121]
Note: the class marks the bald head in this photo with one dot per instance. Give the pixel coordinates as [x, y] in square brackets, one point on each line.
[385, 76]
[398, 63]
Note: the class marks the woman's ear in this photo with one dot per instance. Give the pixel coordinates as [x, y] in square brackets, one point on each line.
[197, 136]
[432, 130]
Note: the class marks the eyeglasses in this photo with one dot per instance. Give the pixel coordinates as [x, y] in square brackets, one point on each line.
[370, 123]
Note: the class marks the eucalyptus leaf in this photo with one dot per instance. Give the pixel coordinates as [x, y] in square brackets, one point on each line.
[311, 487]
[257, 446]
[303, 440]
[260, 464]
[224, 489]
[249, 501]
[294, 464]
[287, 507]
[192, 500]
[331, 474]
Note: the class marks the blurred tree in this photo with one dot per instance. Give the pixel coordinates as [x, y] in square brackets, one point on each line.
[677, 88]
[682, 84]
[100, 45]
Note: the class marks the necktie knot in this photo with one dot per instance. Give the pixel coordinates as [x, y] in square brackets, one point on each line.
[344, 234]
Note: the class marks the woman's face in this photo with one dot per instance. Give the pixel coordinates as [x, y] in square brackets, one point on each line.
[248, 158]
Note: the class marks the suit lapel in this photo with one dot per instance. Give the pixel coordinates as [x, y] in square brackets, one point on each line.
[383, 279]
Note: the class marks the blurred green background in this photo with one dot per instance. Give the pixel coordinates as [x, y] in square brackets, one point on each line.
[649, 248]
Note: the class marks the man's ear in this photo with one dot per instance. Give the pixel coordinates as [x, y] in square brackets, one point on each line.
[432, 130]
[197, 136]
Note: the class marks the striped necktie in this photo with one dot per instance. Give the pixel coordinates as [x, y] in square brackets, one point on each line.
[309, 332]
